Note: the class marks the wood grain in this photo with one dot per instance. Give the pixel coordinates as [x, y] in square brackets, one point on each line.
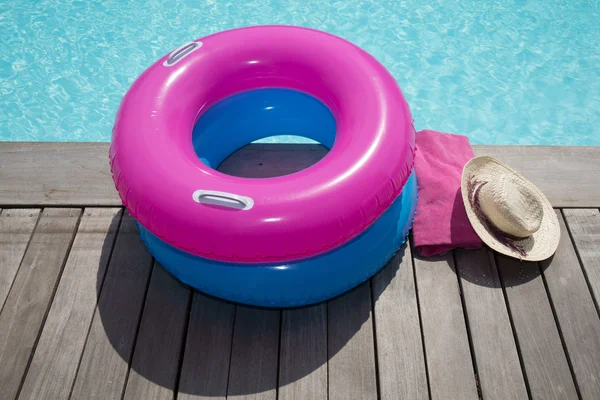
[104, 364]
[56, 174]
[155, 363]
[494, 347]
[253, 369]
[268, 160]
[402, 373]
[61, 342]
[28, 301]
[451, 374]
[16, 227]
[79, 174]
[303, 354]
[553, 169]
[351, 346]
[585, 228]
[206, 358]
[544, 359]
[575, 312]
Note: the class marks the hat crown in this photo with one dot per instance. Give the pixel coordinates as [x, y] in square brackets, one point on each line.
[512, 206]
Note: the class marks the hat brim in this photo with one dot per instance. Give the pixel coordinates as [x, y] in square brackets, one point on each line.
[542, 244]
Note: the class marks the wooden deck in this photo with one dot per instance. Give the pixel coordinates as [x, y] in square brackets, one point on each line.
[86, 313]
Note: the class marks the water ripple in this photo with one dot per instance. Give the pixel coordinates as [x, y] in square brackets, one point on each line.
[500, 72]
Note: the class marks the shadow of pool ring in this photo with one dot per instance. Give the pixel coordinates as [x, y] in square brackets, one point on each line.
[283, 241]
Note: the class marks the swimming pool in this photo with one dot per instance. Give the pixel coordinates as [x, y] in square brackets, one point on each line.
[501, 72]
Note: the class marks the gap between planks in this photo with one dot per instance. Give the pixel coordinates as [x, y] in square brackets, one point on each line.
[27, 304]
[319, 379]
[56, 357]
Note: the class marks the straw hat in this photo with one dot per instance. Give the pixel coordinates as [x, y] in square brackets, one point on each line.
[508, 212]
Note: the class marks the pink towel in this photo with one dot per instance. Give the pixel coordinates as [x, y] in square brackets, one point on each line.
[441, 223]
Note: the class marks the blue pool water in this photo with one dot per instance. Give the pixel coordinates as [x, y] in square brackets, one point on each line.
[501, 72]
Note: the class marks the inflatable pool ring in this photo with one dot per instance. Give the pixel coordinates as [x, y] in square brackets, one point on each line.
[281, 241]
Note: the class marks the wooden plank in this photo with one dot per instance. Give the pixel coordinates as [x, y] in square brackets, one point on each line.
[402, 373]
[28, 301]
[153, 373]
[61, 342]
[585, 228]
[253, 369]
[451, 374]
[576, 314]
[79, 173]
[56, 174]
[496, 356]
[351, 346]
[205, 366]
[303, 354]
[268, 160]
[544, 360]
[16, 227]
[103, 369]
[554, 168]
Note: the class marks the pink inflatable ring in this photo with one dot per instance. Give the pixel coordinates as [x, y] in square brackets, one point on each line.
[189, 205]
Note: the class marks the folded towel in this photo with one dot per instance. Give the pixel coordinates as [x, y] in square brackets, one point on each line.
[441, 223]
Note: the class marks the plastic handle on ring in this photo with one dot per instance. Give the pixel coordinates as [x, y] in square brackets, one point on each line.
[179, 53]
[223, 199]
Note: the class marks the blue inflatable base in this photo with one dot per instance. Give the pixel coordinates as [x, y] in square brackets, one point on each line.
[301, 282]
